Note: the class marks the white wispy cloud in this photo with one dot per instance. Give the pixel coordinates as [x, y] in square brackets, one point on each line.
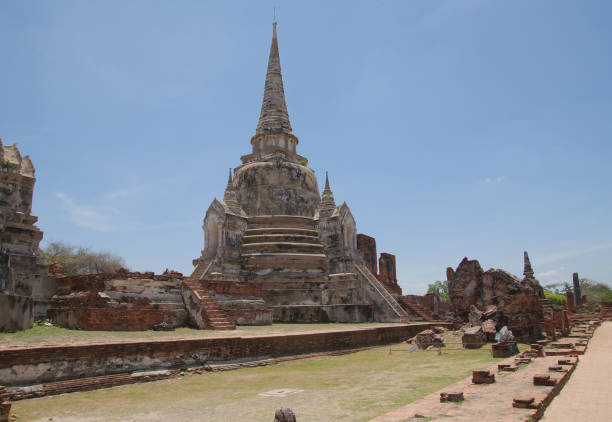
[494, 180]
[549, 273]
[552, 273]
[129, 191]
[104, 216]
[88, 216]
[572, 253]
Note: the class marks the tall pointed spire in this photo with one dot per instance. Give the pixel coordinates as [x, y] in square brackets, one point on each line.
[274, 138]
[229, 181]
[230, 197]
[328, 204]
[527, 270]
[274, 117]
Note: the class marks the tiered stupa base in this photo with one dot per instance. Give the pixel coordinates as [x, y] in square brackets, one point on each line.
[283, 254]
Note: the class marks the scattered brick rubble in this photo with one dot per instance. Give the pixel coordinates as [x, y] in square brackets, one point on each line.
[5, 405]
[483, 377]
[525, 387]
[497, 297]
[451, 396]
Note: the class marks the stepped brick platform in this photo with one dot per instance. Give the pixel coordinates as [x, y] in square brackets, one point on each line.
[415, 309]
[203, 310]
[24, 370]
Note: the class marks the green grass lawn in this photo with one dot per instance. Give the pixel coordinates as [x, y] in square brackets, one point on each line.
[42, 334]
[354, 387]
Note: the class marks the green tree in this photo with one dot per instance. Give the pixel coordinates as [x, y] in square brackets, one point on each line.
[441, 289]
[80, 260]
[594, 291]
[555, 299]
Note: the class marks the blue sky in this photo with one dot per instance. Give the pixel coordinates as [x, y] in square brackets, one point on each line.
[451, 128]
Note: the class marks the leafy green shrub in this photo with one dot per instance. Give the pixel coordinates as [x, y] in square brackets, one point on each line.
[555, 299]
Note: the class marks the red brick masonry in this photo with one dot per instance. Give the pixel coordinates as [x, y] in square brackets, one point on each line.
[101, 359]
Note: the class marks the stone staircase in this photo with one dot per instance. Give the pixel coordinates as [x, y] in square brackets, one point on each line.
[363, 271]
[287, 242]
[416, 309]
[202, 308]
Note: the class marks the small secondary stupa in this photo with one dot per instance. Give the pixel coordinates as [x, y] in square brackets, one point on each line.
[275, 230]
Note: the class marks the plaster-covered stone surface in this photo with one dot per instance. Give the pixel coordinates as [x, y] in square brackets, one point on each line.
[277, 188]
[16, 312]
[23, 268]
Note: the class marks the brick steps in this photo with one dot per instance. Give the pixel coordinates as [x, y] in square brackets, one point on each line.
[271, 260]
[281, 230]
[266, 236]
[213, 317]
[282, 246]
[362, 270]
[416, 309]
[287, 242]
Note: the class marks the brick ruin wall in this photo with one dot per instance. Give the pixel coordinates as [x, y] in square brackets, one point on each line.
[517, 302]
[27, 366]
[131, 301]
[124, 301]
[366, 246]
[384, 269]
[89, 311]
[387, 273]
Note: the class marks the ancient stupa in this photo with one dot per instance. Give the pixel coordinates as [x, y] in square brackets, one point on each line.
[273, 228]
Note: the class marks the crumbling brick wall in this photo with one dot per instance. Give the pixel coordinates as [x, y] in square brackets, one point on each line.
[366, 246]
[518, 301]
[91, 311]
[123, 301]
[388, 274]
[386, 264]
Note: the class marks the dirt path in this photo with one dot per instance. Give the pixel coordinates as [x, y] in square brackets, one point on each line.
[587, 394]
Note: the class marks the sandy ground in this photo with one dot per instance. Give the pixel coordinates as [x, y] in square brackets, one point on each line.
[587, 395]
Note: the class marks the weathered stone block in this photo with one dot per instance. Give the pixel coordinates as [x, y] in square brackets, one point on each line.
[483, 377]
[473, 338]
